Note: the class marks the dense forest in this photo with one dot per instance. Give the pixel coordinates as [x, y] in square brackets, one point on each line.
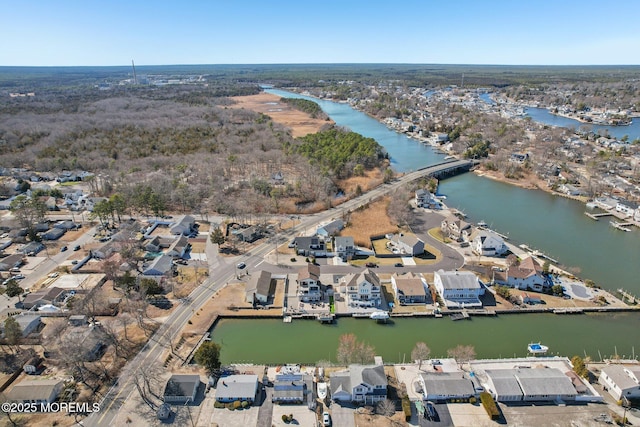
[309, 107]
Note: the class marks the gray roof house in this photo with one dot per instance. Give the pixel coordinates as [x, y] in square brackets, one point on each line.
[344, 247]
[237, 387]
[621, 380]
[12, 261]
[179, 247]
[32, 248]
[310, 246]
[458, 289]
[408, 244]
[365, 384]
[35, 391]
[330, 229]
[259, 288]
[160, 266]
[445, 386]
[292, 388]
[530, 385]
[184, 225]
[181, 389]
[54, 234]
[29, 322]
[409, 288]
[51, 295]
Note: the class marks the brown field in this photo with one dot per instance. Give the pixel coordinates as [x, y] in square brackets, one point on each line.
[371, 179]
[368, 222]
[300, 123]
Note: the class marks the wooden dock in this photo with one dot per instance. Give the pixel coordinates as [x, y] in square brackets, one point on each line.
[622, 226]
[597, 216]
[459, 316]
[568, 310]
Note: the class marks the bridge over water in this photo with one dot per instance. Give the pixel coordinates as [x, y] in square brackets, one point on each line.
[442, 170]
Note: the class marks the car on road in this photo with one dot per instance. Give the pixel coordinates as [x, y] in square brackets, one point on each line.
[18, 276]
[63, 249]
[326, 419]
[74, 262]
[371, 265]
[398, 264]
[76, 248]
[241, 265]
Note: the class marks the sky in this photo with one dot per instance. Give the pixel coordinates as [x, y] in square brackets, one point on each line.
[509, 32]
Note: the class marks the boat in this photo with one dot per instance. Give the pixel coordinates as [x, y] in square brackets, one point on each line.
[322, 390]
[537, 348]
[379, 315]
[482, 224]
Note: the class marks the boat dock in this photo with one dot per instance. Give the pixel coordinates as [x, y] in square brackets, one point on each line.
[597, 216]
[459, 316]
[622, 226]
[569, 310]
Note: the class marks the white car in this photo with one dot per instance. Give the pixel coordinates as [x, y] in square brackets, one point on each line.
[326, 419]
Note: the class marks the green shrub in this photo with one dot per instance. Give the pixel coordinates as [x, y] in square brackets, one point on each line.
[218, 405]
[245, 404]
[406, 408]
[490, 405]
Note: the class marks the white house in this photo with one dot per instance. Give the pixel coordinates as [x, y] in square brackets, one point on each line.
[621, 380]
[530, 385]
[408, 244]
[35, 391]
[487, 243]
[185, 224]
[626, 207]
[344, 247]
[365, 384]
[259, 288]
[309, 283]
[426, 199]
[363, 289]
[458, 288]
[241, 388]
[330, 229]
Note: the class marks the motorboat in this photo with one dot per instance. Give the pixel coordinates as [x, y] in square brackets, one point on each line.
[322, 390]
[379, 315]
[537, 348]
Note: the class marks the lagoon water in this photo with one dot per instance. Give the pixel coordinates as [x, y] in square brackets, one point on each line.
[554, 225]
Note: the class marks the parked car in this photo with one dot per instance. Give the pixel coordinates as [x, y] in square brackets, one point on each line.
[326, 419]
[241, 265]
[398, 264]
[74, 262]
[371, 265]
[19, 276]
[64, 248]
[430, 411]
[76, 248]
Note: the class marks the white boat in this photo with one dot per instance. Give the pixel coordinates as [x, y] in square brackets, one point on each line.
[322, 390]
[379, 315]
[537, 348]
[482, 224]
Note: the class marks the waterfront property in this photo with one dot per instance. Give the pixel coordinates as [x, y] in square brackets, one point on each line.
[260, 288]
[365, 384]
[363, 289]
[456, 229]
[242, 388]
[292, 388]
[487, 243]
[410, 288]
[458, 289]
[309, 289]
[446, 386]
[530, 385]
[621, 381]
[181, 389]
[525, 274]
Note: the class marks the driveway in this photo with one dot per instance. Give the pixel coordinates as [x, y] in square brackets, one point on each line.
[342, 416]
[265, 412]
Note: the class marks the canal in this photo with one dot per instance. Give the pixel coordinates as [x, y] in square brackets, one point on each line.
[554, 225]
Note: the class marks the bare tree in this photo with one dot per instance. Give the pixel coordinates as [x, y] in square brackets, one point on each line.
[420, 353]
[386, 407]
[350, 350]
[462, 353]
[147, 382]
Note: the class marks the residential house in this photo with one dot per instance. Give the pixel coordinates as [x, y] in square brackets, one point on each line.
[35, 391]
[78, 320]
[456, 229]
[181, 389]
[310, 246]
[446, 386]
[571, 190]
[5, 243]
[330, 229]
[458, 289]
[249, 235]
[309, 289]
[519, 158]
[426, 199]
[179, 248]
[409, 288]
[344, 247]
[53, 295]
[186, 224]
[527, 274]
[486, 243]
[365, 384]
[28, 322]
[408, 244]
[292, 388]
[530, 385]
[89, 341]
[441, 138]
[54, 234]
[363, 289]
[32, 248]
[242, 388]
[106, 250]
[33, 365]
[260, 288]
[67, 225]
[626, 207]
[159, 267]
[156, 244]
[621, 381]
[11, 261]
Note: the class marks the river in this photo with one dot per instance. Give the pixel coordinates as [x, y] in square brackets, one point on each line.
[554, 225]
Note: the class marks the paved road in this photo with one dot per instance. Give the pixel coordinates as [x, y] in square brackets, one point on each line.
[221, 272]
[265, 412]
